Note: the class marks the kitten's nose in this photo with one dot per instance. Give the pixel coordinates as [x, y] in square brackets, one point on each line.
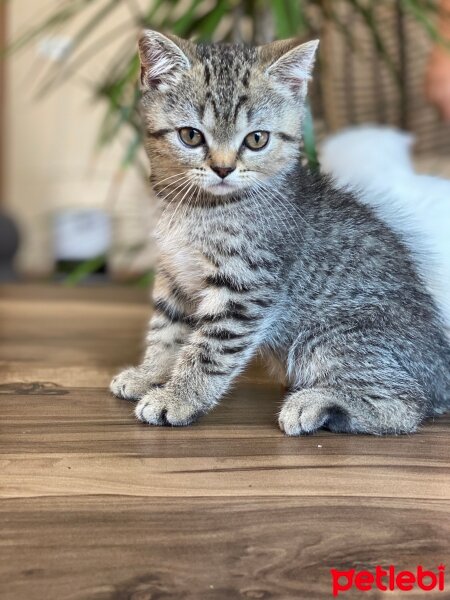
[222, 171]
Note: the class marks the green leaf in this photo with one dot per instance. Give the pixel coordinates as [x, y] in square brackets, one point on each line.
[82, 272]
[131, 151]
[146, 280]
[209, 22]
[425, 16]
[182, 25]
[309, 140]
[298, 17]
[283, 23]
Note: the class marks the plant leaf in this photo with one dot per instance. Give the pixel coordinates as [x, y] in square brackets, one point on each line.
[82, 271]
[309, 140]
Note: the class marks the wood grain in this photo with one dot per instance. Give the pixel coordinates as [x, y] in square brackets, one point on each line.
[96, 506]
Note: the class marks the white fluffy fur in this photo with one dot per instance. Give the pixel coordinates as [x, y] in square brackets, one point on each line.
[377, 161]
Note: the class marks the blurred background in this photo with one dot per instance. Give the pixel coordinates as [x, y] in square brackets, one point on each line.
[74, 200]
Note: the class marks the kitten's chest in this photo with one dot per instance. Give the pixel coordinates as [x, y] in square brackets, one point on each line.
[185, 262]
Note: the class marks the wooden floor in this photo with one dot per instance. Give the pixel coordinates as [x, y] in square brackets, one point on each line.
[96, 506]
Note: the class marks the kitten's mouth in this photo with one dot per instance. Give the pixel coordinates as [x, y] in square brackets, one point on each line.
[222, 188]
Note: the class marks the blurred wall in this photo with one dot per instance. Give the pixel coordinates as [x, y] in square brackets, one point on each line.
[50, 159]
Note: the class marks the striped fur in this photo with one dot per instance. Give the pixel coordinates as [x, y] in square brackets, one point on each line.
[272, 258]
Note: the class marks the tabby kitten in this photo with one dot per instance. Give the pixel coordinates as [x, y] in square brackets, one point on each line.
[259, 254]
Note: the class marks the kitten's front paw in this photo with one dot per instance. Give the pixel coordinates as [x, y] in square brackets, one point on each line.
[130, 384]
[304, 412]
[161, 407]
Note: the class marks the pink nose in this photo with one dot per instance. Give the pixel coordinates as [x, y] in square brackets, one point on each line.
[222, 171]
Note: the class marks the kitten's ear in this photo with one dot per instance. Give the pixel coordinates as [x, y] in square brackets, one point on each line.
[163, 59]
[290, 62]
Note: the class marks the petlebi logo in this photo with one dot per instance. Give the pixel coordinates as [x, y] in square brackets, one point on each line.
[388, 579]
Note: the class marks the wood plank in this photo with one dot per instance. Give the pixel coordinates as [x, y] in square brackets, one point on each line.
[111, 547]
[357, 465]
[97, 506]
[73, 337]
[88, 293]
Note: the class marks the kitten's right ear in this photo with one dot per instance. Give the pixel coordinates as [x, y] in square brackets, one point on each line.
[290, 62]
[163, 59]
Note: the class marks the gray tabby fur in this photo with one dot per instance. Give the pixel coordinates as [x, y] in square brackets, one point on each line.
[272, 258]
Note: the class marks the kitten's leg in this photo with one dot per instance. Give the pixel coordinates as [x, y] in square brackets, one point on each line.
[352, 381]
[359, 379]
[226, 337]
[169, 327]
[363, 410]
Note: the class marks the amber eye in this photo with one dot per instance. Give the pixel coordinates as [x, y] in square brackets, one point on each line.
[256, 140]
[191, 137]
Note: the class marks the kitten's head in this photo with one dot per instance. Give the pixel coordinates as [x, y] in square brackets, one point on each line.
[221, 118]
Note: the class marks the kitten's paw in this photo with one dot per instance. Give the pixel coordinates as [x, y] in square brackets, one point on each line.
[130, 384]
[161, 407]
[305, 412]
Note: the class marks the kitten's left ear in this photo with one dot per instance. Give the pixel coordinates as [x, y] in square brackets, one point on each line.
[163, 58]
[290, 62]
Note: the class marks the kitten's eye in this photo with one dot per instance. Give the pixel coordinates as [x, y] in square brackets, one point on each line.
[256, 140]
[191, 137]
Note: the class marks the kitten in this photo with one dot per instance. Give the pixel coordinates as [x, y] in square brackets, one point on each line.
[258, 253]
[377, 161]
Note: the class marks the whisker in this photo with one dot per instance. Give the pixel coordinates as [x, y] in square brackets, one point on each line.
[167, 178]
[277, 219]
[182, 179]
[277, 195]
[183, 186]
[179, 204]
